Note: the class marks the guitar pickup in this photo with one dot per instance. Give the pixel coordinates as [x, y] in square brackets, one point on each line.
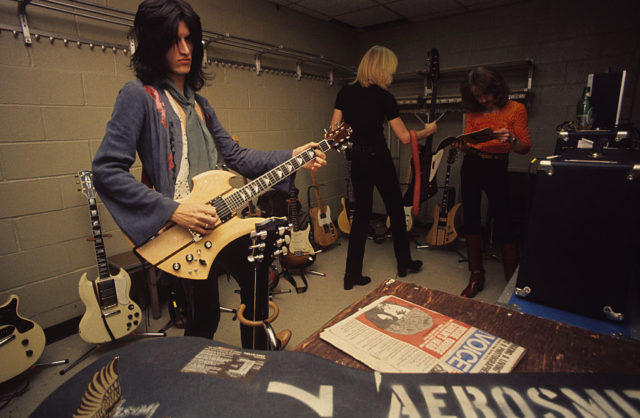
[109, 314]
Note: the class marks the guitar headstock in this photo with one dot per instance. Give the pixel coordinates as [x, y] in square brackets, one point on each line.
[338, 136]
[269, 239]
[434, 64]
[86, 184]
[453, 155]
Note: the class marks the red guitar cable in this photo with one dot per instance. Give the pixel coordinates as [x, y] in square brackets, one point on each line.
[415, 156]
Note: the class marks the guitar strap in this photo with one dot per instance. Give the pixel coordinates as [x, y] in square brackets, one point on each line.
[415, 154]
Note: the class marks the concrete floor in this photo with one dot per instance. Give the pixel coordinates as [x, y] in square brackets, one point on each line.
[302, 313]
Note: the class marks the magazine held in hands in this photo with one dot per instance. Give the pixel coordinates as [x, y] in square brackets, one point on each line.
[393, 335]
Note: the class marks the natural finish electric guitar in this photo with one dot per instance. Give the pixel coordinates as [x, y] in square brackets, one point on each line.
[443, 231]
[21, 341]
[250, 211]
[345, 217]
[324, 231]
[186, 254]
[110, 313]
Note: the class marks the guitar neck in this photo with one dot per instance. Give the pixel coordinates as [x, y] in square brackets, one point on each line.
[101, 255]
[292, 210]
[316, 190]
[230, 204]
[444, 207]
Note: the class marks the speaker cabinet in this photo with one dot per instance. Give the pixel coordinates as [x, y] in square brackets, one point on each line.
[581, 250]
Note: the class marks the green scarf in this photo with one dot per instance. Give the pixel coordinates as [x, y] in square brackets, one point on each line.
[203, 154]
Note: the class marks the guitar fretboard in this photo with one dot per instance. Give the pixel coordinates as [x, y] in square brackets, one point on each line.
[105, 286]
[444, 208]
[101, 256]
[227, 206]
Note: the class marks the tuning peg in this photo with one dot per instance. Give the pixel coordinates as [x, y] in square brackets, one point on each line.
[283, 251]
[259, 235]
[255, 258]
[259, 247]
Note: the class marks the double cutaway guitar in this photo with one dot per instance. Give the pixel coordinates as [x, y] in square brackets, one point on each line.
[186, 254]
[443, 230]
[110, 313]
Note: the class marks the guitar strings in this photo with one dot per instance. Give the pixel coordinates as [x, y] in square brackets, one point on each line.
[243, 195]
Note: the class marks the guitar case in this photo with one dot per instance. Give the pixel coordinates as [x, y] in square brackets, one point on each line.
[582, 239]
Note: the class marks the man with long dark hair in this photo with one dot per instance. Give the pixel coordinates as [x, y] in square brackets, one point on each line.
[176, 135]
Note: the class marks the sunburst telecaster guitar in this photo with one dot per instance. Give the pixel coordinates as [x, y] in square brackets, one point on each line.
[186, 254]
[110, 313]
[21, 341]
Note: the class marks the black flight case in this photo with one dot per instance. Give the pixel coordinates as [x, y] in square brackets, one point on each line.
[581, 251]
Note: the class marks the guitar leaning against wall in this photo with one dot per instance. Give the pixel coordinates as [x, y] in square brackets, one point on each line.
[345, 217]
[324, 231]
[21, 341]
[110, 312]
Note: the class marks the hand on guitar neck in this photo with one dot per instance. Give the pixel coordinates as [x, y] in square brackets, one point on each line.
[324, 231]
[188, 254]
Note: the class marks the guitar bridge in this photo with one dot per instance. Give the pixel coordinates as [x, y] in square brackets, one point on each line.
[196, 237]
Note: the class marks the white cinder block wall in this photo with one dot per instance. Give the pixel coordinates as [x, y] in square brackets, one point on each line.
[55, 101]
[566, 39]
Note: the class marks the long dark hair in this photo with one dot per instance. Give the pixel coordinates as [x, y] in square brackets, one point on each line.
[488, 81]
[156, 31]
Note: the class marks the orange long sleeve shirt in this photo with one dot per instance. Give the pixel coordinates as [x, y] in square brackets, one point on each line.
[512, 116]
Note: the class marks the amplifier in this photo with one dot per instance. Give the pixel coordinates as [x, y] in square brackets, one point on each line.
[598, 139]
[581, 249]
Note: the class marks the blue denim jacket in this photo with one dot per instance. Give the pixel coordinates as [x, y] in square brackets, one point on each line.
[144, 122]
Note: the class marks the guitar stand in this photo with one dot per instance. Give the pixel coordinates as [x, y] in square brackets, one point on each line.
[288, 277]
[273, 344]
[451, 246]
[51, 363]
[97, 347]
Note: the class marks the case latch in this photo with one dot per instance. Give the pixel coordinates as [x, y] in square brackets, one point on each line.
[634, 172]
[545, 165]
[611, 315]
[524, 292]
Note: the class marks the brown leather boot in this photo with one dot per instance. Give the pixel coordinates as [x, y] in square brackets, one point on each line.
[283, 338]
[474, 254]
[510, 258]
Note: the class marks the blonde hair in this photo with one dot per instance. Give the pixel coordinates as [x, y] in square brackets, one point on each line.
[377, 67]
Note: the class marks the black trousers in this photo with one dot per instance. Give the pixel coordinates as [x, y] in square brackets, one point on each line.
[203, 298]
[490, 176]
[373, 167]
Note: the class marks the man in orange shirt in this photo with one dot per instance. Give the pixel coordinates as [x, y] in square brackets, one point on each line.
[485, 99]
